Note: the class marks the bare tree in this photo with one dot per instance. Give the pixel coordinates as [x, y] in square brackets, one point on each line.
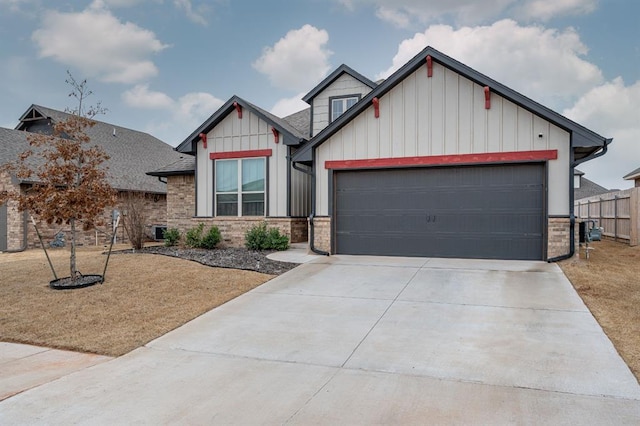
[70, 178]
[134, 217]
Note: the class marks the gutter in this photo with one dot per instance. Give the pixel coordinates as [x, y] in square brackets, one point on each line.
[312, 174]
[572, 218]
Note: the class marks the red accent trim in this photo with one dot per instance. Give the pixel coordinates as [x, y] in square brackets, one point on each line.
[238, 108]
[489, 157]
[203, 137]
[276, 134]
[487, 97]
[240, 154]
[429, 66]
[376, 107]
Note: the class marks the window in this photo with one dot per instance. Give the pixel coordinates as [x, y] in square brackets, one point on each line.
[240, 187]
[340, 105]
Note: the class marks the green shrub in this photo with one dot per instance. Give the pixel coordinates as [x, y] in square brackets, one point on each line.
[261, 238]
[211, 239]
[277, 241]
[171, 237]
[195, 238]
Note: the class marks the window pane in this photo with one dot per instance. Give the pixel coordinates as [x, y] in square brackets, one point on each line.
[336, 108]
[351, 102]
[227, 204]
[227, 176]
[253, 174]
[253, 204]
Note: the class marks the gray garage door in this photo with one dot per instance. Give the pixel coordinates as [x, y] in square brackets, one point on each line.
[3, 227]
[485, 212]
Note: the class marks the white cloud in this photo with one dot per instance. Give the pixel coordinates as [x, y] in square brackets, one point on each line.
[176, 118]
[298, 60]
[547, 9]
[12, 5]
[400, 12]
[141, 97]
[197, 106]
[98, 44]
[612, 110]
[288, 106]
[194, 15]
[394, 16]
[545, 64]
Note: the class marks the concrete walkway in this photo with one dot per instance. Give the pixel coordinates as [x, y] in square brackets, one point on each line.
[362, 340]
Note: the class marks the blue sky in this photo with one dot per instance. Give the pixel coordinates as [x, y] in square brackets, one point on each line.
[164, 66]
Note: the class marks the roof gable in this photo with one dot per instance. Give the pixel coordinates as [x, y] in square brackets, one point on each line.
[584, 141]
[291, 135]
[632, 175]
[131, 152]
[342, 69]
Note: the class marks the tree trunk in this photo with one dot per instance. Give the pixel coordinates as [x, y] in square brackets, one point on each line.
[72, 257]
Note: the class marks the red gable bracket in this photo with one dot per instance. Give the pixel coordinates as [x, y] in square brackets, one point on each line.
[487, 97]
[429, 66]
[276, 135]
[203, 138]
[238, 108]
[376, 107]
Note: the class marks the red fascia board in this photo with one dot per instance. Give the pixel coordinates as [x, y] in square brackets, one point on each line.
[240, 154]
[489, 157]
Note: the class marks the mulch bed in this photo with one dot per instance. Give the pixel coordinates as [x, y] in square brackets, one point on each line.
[233, 258]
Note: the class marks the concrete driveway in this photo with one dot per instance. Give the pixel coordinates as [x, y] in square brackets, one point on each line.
[365, 340]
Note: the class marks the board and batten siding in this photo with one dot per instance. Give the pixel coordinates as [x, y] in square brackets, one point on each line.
[248, 134]
[342, 86]
[446, 115]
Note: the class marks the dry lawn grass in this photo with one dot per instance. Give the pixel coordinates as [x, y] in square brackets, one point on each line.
[143, 297]
[609, 284]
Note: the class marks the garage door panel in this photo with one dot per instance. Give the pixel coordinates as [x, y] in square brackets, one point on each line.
[478, 212]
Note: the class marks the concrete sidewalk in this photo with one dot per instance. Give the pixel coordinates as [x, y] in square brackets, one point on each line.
[361, 340]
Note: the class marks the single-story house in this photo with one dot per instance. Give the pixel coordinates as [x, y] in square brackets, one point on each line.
[131, 153]
[437, 160]
[634, 176]
[583, 187]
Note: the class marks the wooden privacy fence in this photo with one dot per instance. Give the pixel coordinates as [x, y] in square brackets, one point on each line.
[618, 213]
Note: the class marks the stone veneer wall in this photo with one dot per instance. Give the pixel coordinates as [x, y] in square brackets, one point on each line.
[322, 231]
[15, 219]
[155, 208]
[558, 237]
[181, 207]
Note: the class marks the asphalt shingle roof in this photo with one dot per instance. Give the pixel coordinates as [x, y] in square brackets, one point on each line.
[632, 175]
[184, 166]
[132, 153]
[301, 121]
[588, 189]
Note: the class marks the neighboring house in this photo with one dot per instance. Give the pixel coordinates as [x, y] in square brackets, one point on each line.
[634, 176]
[131, 154]
[583, 187]
[437, 160]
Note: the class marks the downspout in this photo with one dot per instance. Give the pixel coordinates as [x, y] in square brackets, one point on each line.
[163, 181]
[572, 218]
[312, 174]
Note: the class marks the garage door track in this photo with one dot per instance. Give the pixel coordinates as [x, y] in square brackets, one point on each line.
[363, 340]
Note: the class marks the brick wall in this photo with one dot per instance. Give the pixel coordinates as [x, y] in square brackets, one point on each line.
[322, 238]
[154, 207]
[181, 207]
[181, 201]
[558, 237]
[15, 219]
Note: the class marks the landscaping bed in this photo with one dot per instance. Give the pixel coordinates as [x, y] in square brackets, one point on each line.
[234, 258]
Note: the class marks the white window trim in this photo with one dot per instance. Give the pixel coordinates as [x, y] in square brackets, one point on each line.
[343, 100]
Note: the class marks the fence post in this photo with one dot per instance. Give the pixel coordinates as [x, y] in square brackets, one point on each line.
[634, 213]
[615, 218]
